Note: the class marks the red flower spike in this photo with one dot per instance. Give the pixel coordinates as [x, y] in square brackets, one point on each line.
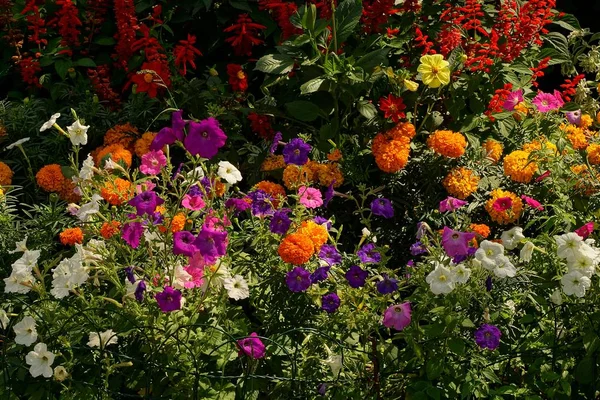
[185, 53]
[245, 31]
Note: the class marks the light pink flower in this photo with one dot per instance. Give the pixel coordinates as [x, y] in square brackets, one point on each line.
[310, 197]
[152, 162]
[194, 203]
[397, 316]
[545, 102]
[144, 187]
[513, 99]
[533, 203]
[197, 274]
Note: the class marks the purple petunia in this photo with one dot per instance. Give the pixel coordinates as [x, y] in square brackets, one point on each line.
[574, 117]
[320, 274]
[382, 207]
[367, 254]
[296, 152]
[212, 243]
[280, 223]
[330, 302]
[456, 243]
[488, 337]
[132, 233]
[169, 299]
[170, 135]
[397, 316]
[205, 138]
[451, 204]
[139, 291]
[183, 243]
[387, 285]
[129, 274]
[488, 283]
[321, 220]
[356, 276]
[329, 193]
[238, 205]
[417, 248]
[298, 279]
[330, 255]
[251, 346]
[146, 202]
[261, 203]
[275, 143]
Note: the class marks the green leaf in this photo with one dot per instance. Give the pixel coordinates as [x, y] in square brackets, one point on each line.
[347, 16]
[85, 62]
[584, 371]
[327, 132]
[105, 41]
[457, 346]
[570, 107]
[434, 368]
[303, 110]
[373, 59]
[62, 67]
[467, 323]
[569, 22]
[366, 109]
[312, 86]
[240, 5]
[275, 64]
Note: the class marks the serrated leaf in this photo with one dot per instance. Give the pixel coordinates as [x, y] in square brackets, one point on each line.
[366, 109]
[275, 64]
[373, 59]
[311, 86]
[85, 62]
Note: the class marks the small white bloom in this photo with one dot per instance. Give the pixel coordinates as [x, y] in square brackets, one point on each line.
[228, 172]
[93, 252]
[556, 297]
[504, 268]
[68, 275]
[78, 133]
[575, 283]
[17, 143]
[40, 360]
[461, 273]
[568, 244]
[109, 164]
[130, 288]
[20, 247]
[527, 251]
[91, 208]
[48, 124]
[581, 263]
[193, 176]
[237, 287]
[27, 261]
[60, 373]
[366, 233]
[489, 253]
[441, 280]
[334, 361]
[25, 331]
[87, 169]
[3, 319]
[512, 237]
[103, 339]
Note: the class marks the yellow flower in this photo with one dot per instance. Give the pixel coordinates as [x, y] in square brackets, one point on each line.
[411, 85]
[435, 71]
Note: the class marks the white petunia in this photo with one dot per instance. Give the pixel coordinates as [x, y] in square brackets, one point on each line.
[461, 273]
[68, 275]
[228, 172]
[60, 373]
[512, 237]
[93, 252]
[20, 247]
[103, 339]
[504, 268]
[50, 123]
[575, 283]
[568, 244]
[527, 251]
[130, 288]
[87, 169]
[366, 233]
[193, 176]
[78, 133]
[218, 273]
[556, 297]
[109, 164]
[488, 254]
[40, 360]
[28, 261]
[334, 361]
[25, 331]
[237, 287]
[17, 143]
[441, 280]
[91, 208]
[18, 282]
[181, 277]
[581, 263]
[4, 320]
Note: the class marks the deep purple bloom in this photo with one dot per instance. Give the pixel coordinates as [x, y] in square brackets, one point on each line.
[261, 203]
[156, 219]
[296, 152]
[238, 205]
[129, 274]
[456, 243]
[387, 285]
[417, 248]
[356, 276]
[298, 279]
[397, 316]
[330, 254]
[382, 207]
[488, 284]
[280, 223]
[184, 243]
[367, 254]
[275, 143]
[146, 202]
[322, 389]
[211, 243]
[195, 191]
[330, 302]
[170, 135]
[139, 291]
[574, 117]
[169, 299]
[451, 204]
[132, 233]
[320, 221]
[328, 195]
[251, 346]
[488, 337]
[205, 138]
[319, 275]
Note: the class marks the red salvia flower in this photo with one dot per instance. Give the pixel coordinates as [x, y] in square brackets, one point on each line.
[392, 107]
[100, 79]
[569, 87]
[282, 11]
[245, 38]
[538, 71]
[421, 41]
[68, 23]
[497, 101]
[261, 125]
[156, 13]
[185, 53]
[449, 38]
[29, 67]
[150, 78]
[37, 27]
[30, 5]
[392, 32]
[376, 13]
[237, 78]
[127, 25]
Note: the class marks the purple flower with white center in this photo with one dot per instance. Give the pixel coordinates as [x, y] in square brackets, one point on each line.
[320, 221]
[356, 276]
[238, 205]
[280, 223]
[132, 233]
[488, 337]
[330, 302]
[319, 275]
[513, 99]
[298, 279]
[397, 316]
[451, 204]
[387, 285]
[183, 243]
[330, 255]
[329, 193]
[417, 248]
[170, 135]
[146, 202]
[205, 138]
[261, 203]
[169, 299]
[456, 243]
[139, 291]
[211, 243]
[129, 274]
[367, 254]
[275, 143]
[382, 207]
[574, 117]
[296, 152]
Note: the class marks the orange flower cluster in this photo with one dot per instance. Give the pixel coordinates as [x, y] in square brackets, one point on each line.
[391, 149]
[272, 163]
[481, 229]
[586, 121]
[296, 249]
[335, 155]
[461, 182]
[447, 143]
[521, 111]
[117, 152]
[576, 136]
[315, 232]
[125, 135]
[109, 229]
[493, 150]
[536, 145]
[6, 174]
[71, 236]
[117, 192]
[324, 174]
[276, 191]
[142, 145]
[507, 216]
[585, 182]
[51, 179]
[178, 222]
[519, 167]
[593, 153]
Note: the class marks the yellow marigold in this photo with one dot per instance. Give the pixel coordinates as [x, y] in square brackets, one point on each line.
[481, 229]
[117, 192]
[6, 174]
[50, 178]
[272, 162]
[276, 191]
[109, 229]
[575, 136]
[580, 169]
[116, 152]
[142, 145]
[124, 134]
[492, 149]
[315, 232]
[295, 176]
[391, 155]
[513, 204]
[296, 249]
[447, 143]
[71, 236]
[586, 121]
[593, 153]
[519, 167]
[585, 183]
[67, 192]
[331, 173]
[461, 182]
[598, 115]
[522, 108]
[178, 222]
[335, 155]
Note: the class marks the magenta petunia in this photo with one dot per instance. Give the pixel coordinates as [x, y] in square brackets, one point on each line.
[193, 202]
[585, 230]
[205, 138]
[451, 204]
[169, 299]
[397, 316]
[183, 243]
[502, 204]
[456, 243]
[251, 346]
[533, 203]
[211, 243]
[197, 274]
[310, 197]
[153, 162]
[132, 233]
[146, 202]
[513, 99]
[170, 135]
[545, 102]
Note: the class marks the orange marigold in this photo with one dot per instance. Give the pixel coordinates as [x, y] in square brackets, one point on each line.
[109, 229]
[575, 136]
[315, 232]
[124, 134]
[271, 163]
[335, 155]
[481, 229]
[142, 145]
[50, 178]
[6, 174]
[331, 173]
[461, 182]
[593, 153]
[584, 183]
[117, 192]
[519, 167]
[447, 143]
[493, 150]
[116, 152]
[586, 121]
[391, 155]
[295, 176]
[507, 216]
[276, 191]
[71, 236]
[67, 192]
[178, 222]
[402, 129]
[296, 249]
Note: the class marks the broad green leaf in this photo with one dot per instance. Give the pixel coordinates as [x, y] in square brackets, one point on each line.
[373, 59]
[347, 16]
[303, 110]
[62, 67]
[85, 62]
[275, 64]
[366, 109]
[311, 86]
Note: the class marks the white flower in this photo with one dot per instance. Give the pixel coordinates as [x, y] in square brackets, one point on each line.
[18, 282]
[575, 283]
[78, 133]
[92, 252]
[556, 297]
[228, 172]
[91, 208]
[527, 251]
[334, 362]
[60, 373]
[68, 275]
[510, 304]
[25, 331]
[366, 233]
[27, 261]
[237, 287]
[102, 340]
[504, 268]
[181, 277]
[218, 273]
[130, 288]
[40, 360]
[20, 247]
[48, 124]
[441, 280]
[568, 244]
[489, 253]
[193, 176]
[17, 143]
[109, 164]
[461, 273]
[87, 169]
[512, 237]
[581, 263]
[3, 319]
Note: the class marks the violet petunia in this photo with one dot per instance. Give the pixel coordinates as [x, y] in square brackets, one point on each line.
[139, 291]
[132, 233]
[146, 202]
[382, 207]
[387, 285]
[330, 302]
[298, 279]
[356, 276]
[367, 254]
[205, 138]
[169, 299]
[275, 143]
[330, 255]
[574, 117]
[456, 243]
[488, 337]
[397, 316]
[184, 243]
[280, 223]
[320, 274]
[170, 135]
[296, 152]
[262, 203]
[212, 243]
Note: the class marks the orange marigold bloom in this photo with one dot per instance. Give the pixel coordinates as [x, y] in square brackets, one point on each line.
[67, 192]
[117, 192]
[391, 155]
[142, 145]
[521, 108]
[401, 130]
[71, 236]
[276, 191]
[518, 167]
[331, 173]
[493, 150]
[178, 222]
[447, 143]
[50, 178]
[506, 216]
[584, 182]
[536, 145]
[593, 153]
[116, 152]
[586, 121]
[315, 232]
[125, 135]
[461, 182]
[296, 249]
[481, 229]
[6, 174]
[575, 136]
[271, 163]
[295, 176]
[335, 155]
[109, 229]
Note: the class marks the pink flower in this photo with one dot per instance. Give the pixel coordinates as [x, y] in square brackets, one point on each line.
[513, 99]
[194, 202]
[543, 176]
[502, 204]
[152, 162]
[450, 204]
[197, 260]
[397, 316]
[251, 346]
[197, 274]
[310, 197]
[144, 187]
[533, 203]
[545, 102]
[586, 230]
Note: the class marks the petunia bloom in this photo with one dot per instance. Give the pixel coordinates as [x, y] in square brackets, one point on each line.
[451, 204]
[356, 276]
[585, 230]
[456, 243]
[545, 102]
[330, 255]
[169, 299]
[296, 152]
[146, 202]
[251, 346]
[298, 279]
[382, 207]
[172, 134]
[183, 243]
[205, 138]
[533, 203]
[310, 197]
[488, 337]
[367, 254]
[502, 204]
[397, 316]
[513, 99]
[193, 202]
[330, 302]
[132, 233]
[153, 162]
[387, 285]
[280, 223]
